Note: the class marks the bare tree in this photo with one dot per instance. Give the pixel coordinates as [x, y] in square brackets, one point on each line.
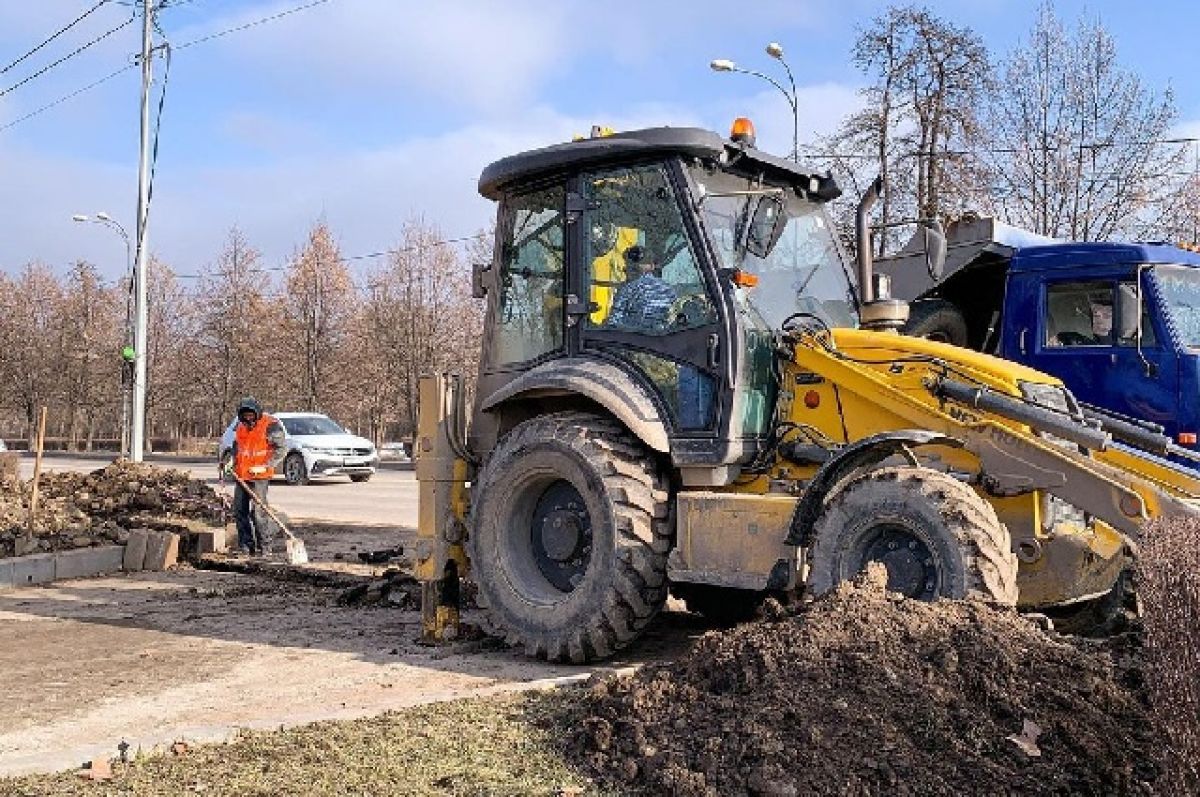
[238, 327]
[929, 77]
[318, 304]
[1075, 144]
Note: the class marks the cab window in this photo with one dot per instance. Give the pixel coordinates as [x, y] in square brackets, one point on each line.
[642, 272]
[529, 304]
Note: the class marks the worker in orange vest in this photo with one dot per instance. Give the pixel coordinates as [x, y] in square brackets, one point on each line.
[259, 446]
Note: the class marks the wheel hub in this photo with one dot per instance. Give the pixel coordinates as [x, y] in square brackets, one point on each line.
[561, 535]
[911, 568]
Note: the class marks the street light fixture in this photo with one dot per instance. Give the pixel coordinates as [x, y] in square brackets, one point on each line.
[775, 50]
[126, 349]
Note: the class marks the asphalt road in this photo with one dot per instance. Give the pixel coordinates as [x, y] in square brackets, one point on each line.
[389, 498]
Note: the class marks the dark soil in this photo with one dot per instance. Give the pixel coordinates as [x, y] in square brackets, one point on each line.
[863, 692]
[81, 509]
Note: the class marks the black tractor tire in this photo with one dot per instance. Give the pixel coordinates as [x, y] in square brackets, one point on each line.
[723, 606]
[570, 531]
[936, 319]
[936, 536]
[358, 478]
[295, 472]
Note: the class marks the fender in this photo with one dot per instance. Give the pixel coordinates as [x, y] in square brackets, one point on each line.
[600, 381]
[864, 453]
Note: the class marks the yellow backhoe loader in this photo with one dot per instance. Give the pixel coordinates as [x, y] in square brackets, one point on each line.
[686, 388]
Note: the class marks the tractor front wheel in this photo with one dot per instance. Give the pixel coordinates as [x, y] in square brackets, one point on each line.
[935, 535]
[569, 539]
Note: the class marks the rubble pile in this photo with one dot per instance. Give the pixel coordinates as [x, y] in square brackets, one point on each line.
[77, 510]
[864, 692]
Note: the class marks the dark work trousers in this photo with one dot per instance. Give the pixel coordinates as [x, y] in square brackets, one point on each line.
[254, 531]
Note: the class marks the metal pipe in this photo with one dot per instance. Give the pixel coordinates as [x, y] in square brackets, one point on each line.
[1040, 419]
[866, 287]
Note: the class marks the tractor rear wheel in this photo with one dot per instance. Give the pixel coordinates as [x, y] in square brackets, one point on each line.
[935, 535]
[569, 539]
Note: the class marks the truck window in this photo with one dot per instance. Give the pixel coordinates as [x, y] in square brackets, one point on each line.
[1079, 314]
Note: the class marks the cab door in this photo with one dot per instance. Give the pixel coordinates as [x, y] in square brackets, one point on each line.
[641, 295]
[1089, 339]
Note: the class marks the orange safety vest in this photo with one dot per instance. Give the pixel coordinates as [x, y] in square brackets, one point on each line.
[253, 450]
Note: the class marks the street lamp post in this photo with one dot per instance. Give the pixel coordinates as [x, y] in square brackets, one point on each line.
[774, 50]
[126, 348]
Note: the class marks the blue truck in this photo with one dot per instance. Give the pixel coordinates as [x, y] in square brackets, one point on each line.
[1119, 323]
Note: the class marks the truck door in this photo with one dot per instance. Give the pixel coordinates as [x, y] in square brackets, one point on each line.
[643, 296]
[1087, 337]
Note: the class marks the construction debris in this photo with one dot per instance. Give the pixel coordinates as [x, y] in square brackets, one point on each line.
[396, 588]
[102, 507]
[863, 692]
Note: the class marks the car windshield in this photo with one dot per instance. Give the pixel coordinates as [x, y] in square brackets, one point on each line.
[1180, 290]
[311, 424]
[802, 273]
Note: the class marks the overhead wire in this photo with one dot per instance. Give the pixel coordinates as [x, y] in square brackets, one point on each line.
[56, 34]
[72, 95]
[247, 25]
[68, 56]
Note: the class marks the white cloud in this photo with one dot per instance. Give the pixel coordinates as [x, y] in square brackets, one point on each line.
[480, 54]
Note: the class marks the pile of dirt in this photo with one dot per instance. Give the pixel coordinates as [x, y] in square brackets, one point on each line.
[77, 510]
[863, 692]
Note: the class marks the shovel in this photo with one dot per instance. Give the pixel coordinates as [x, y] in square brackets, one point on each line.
[294, 548]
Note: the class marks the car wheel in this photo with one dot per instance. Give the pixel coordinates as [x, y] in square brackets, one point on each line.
[294, 469]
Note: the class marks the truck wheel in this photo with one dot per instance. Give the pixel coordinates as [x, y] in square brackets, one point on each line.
[938, 320]
[294, 469]
[570, 535]
[935, 535]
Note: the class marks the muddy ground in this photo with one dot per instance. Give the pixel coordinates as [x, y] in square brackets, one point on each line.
[153, 657]
[863, 692]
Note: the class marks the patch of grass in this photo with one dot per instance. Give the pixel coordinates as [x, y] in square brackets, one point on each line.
[483, 746]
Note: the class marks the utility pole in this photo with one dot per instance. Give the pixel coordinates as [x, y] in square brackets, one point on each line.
[137, 432]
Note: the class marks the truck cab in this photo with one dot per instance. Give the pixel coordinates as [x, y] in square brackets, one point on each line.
[1119, 323]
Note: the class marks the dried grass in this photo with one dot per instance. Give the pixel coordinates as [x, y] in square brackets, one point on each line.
[1169, 583]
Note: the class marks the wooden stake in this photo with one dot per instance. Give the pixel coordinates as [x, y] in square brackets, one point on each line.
[37, 470]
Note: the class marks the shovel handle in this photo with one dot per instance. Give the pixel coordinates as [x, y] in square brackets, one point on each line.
[266, 508]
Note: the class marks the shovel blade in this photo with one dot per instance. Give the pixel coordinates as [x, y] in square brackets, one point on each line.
[297, 554]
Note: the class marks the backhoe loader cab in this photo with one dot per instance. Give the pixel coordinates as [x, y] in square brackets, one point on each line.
[681, 390]
[647, 272]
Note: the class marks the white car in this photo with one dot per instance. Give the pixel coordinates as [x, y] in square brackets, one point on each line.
[317, 448]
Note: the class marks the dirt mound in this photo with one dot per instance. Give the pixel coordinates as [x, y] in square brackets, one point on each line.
[82, 509]
[863, 692]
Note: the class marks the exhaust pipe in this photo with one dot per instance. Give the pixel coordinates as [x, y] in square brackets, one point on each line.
[877, 309]
[862, 225]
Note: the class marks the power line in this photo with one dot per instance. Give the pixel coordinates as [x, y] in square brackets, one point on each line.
[382, 253]
[255, 23]
[56, 34]
[68, 56]
[106, 78]
[66, 97]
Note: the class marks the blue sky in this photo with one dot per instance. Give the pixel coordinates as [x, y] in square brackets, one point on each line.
[367, 113]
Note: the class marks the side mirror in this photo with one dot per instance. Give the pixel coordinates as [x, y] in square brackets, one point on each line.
[766, 227]
[478, 285]
[935, 248]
